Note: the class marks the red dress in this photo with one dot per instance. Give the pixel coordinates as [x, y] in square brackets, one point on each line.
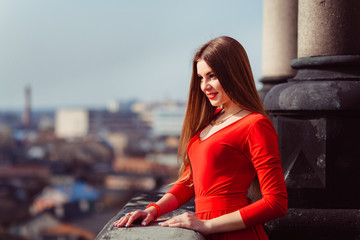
[224, 165]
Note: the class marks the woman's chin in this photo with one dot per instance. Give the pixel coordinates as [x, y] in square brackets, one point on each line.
[215, 104]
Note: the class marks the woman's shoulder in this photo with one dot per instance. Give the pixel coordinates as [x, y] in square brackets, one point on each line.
[255, 120]
[254, 117]
[258, 123]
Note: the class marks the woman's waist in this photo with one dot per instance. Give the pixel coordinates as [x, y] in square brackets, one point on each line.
[208, 203]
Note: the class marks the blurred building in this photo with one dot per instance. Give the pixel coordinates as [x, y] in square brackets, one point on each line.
[168, 121]
[9, 120]
[123, 129]
[71, 123]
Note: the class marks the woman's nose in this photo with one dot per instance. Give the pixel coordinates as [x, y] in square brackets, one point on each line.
[206, 85]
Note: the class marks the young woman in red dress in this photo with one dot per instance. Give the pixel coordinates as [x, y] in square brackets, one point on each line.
[227, 143]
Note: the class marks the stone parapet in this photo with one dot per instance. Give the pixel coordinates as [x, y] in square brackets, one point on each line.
[153, 231]
[298, 224]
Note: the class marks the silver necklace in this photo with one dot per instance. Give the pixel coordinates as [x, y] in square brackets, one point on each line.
[212, 123]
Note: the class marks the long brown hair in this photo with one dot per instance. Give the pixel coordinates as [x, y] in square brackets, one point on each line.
[229, 61]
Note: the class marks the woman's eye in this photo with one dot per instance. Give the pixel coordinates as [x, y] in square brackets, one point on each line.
[212, 76]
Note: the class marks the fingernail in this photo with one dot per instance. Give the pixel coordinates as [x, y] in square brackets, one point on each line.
[161, 223]
[143, 223]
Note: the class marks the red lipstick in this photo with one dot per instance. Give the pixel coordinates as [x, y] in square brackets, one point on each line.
[212, 95]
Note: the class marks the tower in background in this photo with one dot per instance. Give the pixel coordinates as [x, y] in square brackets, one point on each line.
[26, 120]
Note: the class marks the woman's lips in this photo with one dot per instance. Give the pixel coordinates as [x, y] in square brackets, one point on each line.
[212, 95]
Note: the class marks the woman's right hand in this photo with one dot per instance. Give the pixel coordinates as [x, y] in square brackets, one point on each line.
[167, 204]
[146, 216]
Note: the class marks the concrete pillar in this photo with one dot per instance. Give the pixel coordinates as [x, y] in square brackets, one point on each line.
[328, 28]
[317, 115]
[279, 42]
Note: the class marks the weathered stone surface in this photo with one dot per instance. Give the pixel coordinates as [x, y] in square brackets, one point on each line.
[314, 96]
[328, 27]
[319, 224]
[151, 232]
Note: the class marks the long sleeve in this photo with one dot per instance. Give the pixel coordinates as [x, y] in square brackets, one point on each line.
[183, 190]
[262, 148]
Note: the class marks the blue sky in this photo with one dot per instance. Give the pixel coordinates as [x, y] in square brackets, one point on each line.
[76, 53]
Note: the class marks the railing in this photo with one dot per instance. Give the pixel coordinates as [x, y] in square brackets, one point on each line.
[153, 230]
[298, 224]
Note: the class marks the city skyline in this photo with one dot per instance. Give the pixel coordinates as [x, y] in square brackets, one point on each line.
[89, 53]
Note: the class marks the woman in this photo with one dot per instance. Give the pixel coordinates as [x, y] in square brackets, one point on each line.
[226, 143]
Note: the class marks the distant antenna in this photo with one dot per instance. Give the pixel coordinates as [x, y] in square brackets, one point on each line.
[27, 110]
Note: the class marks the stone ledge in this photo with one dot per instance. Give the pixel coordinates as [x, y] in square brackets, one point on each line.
[298, 224]
[153, 231]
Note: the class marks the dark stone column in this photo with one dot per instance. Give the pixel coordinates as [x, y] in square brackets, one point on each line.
[317, 115]
[279, 42]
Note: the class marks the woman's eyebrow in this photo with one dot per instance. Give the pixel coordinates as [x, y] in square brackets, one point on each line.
[207, 74]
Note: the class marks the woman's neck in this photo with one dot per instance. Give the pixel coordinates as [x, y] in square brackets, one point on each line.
[230, 108]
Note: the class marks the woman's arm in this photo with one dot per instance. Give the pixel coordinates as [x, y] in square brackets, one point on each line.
[263, 150]
[178, 195]
[225, 223]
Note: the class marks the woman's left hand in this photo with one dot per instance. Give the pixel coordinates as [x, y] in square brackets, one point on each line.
[187, 220]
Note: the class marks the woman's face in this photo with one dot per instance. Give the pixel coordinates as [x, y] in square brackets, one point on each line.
[210, 85]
